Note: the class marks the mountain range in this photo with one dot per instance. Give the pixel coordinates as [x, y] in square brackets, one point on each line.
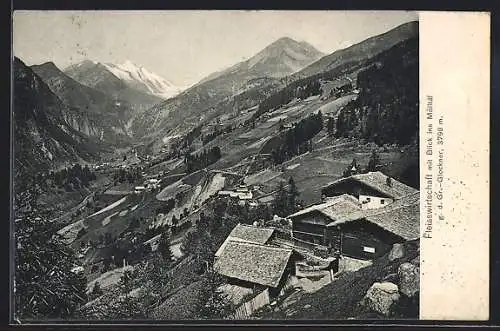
[120, 104]
[103, 77]
[251, 81]
[363, 50]
[266, 68]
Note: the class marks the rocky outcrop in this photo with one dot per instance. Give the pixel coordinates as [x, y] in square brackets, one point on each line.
[380, 297]
[397, 252]
[409, 279]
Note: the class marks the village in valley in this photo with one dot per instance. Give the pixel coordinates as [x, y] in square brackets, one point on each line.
[248, 196]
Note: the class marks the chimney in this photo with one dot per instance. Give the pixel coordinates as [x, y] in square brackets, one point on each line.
[388, 181]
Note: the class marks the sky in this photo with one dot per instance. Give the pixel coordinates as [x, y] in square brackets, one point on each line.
[185, 46]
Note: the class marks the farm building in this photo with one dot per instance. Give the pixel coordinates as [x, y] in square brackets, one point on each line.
[342, 227]
[373, 189]
[247, 234]
[241, 194]
[256, 267]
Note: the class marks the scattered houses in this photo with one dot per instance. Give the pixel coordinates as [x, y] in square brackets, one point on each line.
[242, 194]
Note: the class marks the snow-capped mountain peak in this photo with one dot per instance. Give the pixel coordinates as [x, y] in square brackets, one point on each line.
[143, 79]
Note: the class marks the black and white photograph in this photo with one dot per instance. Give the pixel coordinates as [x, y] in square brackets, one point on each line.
[215, 165]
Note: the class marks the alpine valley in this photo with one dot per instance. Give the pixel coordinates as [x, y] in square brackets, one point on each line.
[193, 202]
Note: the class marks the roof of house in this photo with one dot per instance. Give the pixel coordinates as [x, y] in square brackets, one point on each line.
[253, 263]
[248, 234]
[251, 233]
[336, 208]
[266, 198]
[378, 181]
[401, 217]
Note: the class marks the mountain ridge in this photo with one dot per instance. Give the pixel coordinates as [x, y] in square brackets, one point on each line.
[96, 75]
[278, 45]
[265, 68]
[143, 80]
[366, 48]
[43, 137]
[89, 111]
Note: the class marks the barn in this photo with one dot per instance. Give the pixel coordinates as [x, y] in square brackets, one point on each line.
[373, 189]
[342, 227]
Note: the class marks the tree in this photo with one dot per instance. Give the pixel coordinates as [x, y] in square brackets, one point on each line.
[373, 162]
[45, 285]
[164, 248]
[330, 125]
[190, 242]
[125, 282]
[134, 223]
[215, 306]
[352, 169]
[293, 194]
[281, 201]
[96, 291]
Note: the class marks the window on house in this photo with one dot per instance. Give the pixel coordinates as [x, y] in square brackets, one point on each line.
[382, 201]
[368, 249]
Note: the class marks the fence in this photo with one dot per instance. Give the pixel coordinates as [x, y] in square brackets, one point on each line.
[249, 307]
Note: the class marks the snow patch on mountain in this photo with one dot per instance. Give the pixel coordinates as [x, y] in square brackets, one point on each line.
[143, 79]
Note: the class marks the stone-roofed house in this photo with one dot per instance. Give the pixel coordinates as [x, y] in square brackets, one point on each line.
[373, 189]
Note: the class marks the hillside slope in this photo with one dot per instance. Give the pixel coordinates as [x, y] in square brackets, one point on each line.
[91, 111]
[386, 110]
[360, 51]
[262, 71]
[43, 139]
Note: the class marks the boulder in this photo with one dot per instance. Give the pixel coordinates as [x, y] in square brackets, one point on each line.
[409, 279]
[397, 252]
[380, 297]
[416, 261]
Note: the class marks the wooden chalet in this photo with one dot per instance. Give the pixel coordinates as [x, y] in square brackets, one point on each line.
[342, 227]
[373, 189]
